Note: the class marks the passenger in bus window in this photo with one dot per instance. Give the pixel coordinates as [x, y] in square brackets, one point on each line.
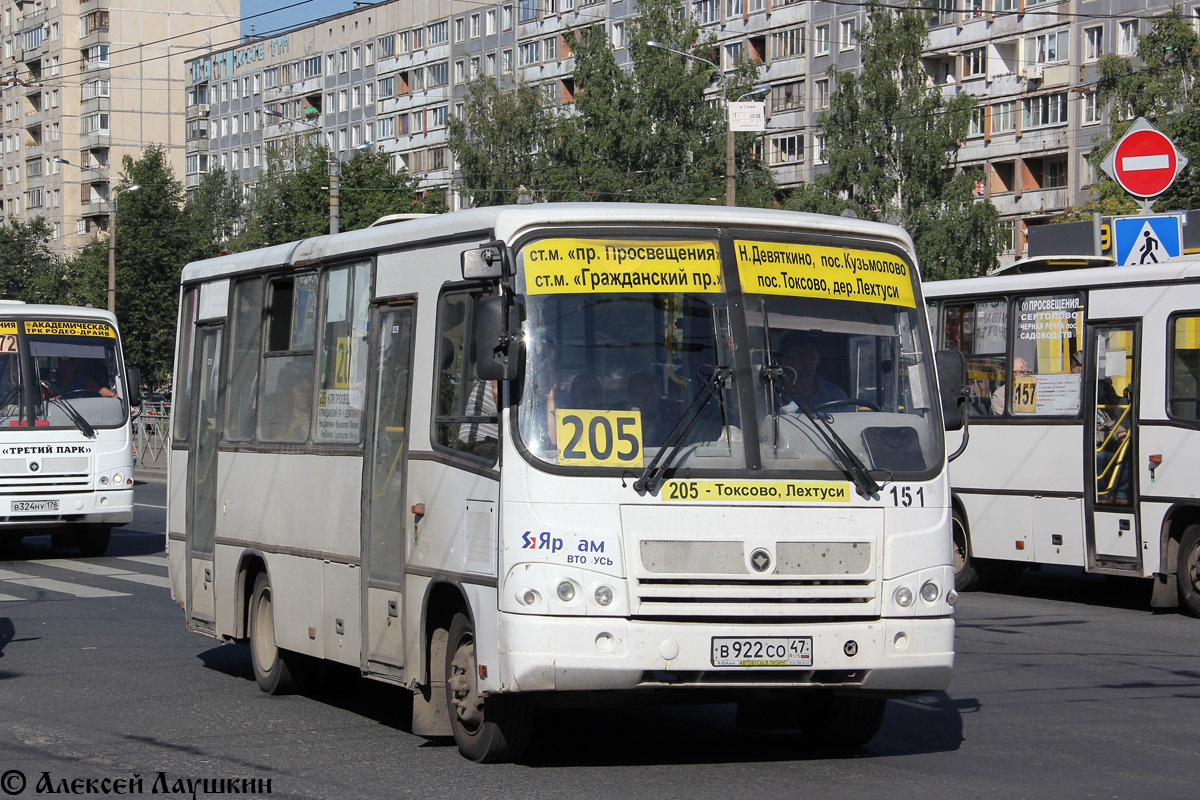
[481, 402]
[800, 357]
[1020, 369]
[1112, 446]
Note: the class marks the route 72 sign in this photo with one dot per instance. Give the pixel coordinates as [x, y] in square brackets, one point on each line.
[1144, 162]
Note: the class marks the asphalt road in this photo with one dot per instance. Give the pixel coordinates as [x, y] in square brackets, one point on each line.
[1069, 686]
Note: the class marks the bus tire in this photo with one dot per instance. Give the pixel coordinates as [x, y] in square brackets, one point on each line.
[841, 721]
[486, 729]
[93, 541]
[276, 670]
[1187, 574]
[965, 576]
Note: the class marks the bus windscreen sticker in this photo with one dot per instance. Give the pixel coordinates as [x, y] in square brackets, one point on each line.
[602, 266]
[837, 273]
[8, 326]
[598, 438]
[60, 327]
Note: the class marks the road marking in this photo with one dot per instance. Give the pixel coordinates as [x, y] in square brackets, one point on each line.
[6, 597]
[51, 585]
[157, 561]
[92, 568]
[150, 505]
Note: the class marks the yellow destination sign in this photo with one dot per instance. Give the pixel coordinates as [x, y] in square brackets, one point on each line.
[8, 326]
[606, 266]
[838, 273]
[68, 328]
[762, 491]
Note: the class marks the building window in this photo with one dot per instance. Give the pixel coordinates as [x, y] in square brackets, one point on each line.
[312, 67]
[846, 38]
[821, 92]
[489, 20]
[822, 46]
[1048, 48]
[977, 124]
[506, 17]
[1093, 43]
[506, 62]
[387, 127]
[787, 44]
[1092, 112]
[820, 152]
[527, 54]
[787, 149]
[438, 74]
[387, 46]
[460, 28]
[975, 62]
[733, 54]
[527, 10]
[439, 33]
[1004, 117]
[387, 87]
[618, 35]
[787, 97]
[1127, 40]
[1044, 110]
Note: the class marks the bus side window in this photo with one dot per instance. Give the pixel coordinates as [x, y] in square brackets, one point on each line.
[287, 387]
[244, 358]
[1184, 395]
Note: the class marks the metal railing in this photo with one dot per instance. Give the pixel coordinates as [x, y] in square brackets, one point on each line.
[151, 436]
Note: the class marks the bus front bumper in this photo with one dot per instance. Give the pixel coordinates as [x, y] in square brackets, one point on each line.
[595, 653]
[112, 507]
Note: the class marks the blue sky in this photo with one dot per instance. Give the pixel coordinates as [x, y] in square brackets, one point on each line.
[296, 12]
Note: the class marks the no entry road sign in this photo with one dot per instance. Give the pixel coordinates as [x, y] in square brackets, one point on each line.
[1144, 162]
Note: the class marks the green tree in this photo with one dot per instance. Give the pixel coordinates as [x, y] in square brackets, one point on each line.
[891, 141]
[88, 269]
[213, 214]
[290, 200]
[29, 270]
[502, 140]
[152, 245]
[369, 190]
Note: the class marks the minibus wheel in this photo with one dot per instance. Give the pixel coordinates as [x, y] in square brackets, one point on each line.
[1187, 575]
[486, 729]
[840, 721]
[277, 671]
[93, 541]
[965, 576]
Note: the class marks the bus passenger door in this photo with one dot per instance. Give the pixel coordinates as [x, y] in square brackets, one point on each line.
[1111, 451]
[384, 485]
[202, 480]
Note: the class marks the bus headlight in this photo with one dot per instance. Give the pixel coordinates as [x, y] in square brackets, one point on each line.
[566, 591]
[903, 597]
[118, 479]
[930, 592]
[530, 597]
[104, 480]
[603, 595]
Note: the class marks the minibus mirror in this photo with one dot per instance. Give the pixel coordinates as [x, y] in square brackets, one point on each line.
[952, 384]
[483, 263]
[133, 386]
[497, 349]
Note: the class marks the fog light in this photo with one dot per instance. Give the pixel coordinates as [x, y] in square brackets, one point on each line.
[952, 598]
[903, 597]
[566, 591]
[103, 500]
[930, 592]
[530, 598]
[104, 480]
[604, 595]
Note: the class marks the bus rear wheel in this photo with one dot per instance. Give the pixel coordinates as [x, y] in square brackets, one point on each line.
[93, 541]
[486, 729]
[277, 671]
[841, 721]
[1187, 575]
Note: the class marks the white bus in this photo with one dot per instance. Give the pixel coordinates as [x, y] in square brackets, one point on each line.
[1084, 437]
[555, 452]
[66, 456]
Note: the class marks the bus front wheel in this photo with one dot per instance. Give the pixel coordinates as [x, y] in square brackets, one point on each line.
[486, 729]
[93, 541]
[277, 671]
[965, 576]
[1187, 574]
[841, 721]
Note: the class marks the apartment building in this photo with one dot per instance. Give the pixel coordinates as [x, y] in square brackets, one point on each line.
[84, 83]
[390, 74]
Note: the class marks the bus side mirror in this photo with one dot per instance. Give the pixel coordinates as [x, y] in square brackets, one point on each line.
[952, 386]
[484, 263]
[497, 347]
[133, 383]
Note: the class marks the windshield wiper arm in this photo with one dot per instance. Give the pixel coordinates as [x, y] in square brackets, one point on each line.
[652, 474]
[864, 484]
[71, 412]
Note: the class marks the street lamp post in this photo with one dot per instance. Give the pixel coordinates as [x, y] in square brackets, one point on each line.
[333, 165]
[730, 191]
[112, 245]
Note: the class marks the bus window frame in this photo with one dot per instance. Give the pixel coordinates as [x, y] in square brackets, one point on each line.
[470, 289]
[1185, 422]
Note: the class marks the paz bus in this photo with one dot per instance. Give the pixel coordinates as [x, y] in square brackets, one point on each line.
[544, 453]
[66, 452]
[1084, 437]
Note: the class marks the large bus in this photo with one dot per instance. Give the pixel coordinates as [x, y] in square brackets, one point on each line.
[562, 453]
[1084, 436]
[66, 453]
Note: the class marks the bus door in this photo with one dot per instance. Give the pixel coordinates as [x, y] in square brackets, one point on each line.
[202, 479]
[1111, 450]
[384, 477]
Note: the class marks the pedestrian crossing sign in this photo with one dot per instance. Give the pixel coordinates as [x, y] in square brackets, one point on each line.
[1147, 238]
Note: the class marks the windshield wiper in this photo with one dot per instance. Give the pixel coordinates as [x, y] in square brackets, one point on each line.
[70, 410]
[650, 477]
[864, 484]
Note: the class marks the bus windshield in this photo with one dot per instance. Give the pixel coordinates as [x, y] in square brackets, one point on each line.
[61, 373]
[633, 346]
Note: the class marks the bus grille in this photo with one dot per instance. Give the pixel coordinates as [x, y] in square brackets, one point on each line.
[715, 579]
[54, 474]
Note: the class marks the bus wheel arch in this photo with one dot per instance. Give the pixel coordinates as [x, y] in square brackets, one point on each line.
[1171, 573]
[276, 670]
[251, 565]
[966, 577]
